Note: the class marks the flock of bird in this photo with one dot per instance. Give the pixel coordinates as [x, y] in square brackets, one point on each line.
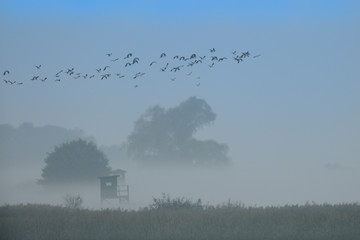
[164, 63]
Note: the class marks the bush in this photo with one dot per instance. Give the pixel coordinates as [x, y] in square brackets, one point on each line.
[165, 202]
[73, 202]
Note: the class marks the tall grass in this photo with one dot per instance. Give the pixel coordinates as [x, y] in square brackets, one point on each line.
[182, 219]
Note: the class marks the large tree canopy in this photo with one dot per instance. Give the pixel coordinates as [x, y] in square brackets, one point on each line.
[76, 161]
[166, 136]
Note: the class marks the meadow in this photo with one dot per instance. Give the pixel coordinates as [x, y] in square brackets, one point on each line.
[182, 219]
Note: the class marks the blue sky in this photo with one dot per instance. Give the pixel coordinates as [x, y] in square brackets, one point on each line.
[176, 8]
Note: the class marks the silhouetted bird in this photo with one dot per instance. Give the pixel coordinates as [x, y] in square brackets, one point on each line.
[57, 80]
[38, 67]
[106, 67]
[163, 55]
[135, 60]
[245, 54]
[70, 71]
[256, 56]
[58, 73]
[128, 55]
[109, 54]
[238, 59]
[212, 50]
[6, 72]
[152, 63]
[119, 75]
[98, 69]
[212, 65]
[105, 76]
[34, 78]
[127, 64]
[176, 68]
[114, 60]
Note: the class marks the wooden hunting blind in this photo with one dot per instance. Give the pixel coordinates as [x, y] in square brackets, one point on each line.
[114, 187]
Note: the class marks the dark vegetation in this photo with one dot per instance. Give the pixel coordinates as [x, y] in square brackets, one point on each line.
[73, 162]
[182, 219]
[166, 136]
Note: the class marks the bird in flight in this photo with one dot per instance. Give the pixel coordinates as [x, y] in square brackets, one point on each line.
[119, 75]
[256, 56]
[114, 60]
[6, 72]
[128, 55]
[163, 55]
[38, 67]
[212, 50]
[109, 54]
[8, 81]
[34, 78]
[106, 67]
[105, 76]
[238, 59]
[70, 71]
[135, 60]
[211, 65]
[152, 63]
[176, 68]
[58, 73]
[245, 54]
[139, 74]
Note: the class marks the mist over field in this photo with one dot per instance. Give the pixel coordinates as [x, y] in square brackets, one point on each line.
[239, 181]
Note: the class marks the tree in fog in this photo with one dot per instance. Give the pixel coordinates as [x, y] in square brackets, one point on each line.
[75, 161]
[166, 136]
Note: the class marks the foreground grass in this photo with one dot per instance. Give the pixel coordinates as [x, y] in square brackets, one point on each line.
[192, 221]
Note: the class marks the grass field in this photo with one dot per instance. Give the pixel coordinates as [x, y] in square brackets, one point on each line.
[181, 219]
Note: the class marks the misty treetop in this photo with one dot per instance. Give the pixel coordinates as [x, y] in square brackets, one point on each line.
[166, 136]
[75, 161]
